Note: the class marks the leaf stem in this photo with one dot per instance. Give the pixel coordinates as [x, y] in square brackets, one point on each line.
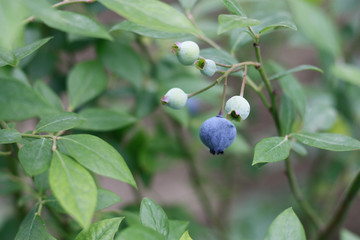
[243, 82]
[5, 153]
[36, 136]
[341, 210]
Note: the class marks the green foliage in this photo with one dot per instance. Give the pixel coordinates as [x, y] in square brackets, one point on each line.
[104, 229]
[58, 122]
[271, 150]
[9, 136]
[153, 216]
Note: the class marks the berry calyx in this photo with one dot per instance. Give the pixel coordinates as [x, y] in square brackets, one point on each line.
[186, 52]
[237, 108]
[217, 133]
[175, 98]
[207, 66]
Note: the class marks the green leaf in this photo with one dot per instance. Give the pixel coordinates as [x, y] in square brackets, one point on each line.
[292, 89]
[347, 72]
[278, 21]
[7, 58]
[66, 21]
[323, 34]
[286, 226]
[45, 91]
[104, 230]
[41, 182]
[186, 236]
[347, 235]
[271, 150]
[32, 227]
[58, 122]
[328, 141]
[85, 81]
[217, 55]
[9, 136]
[106, 199]
[145, 31]
[98, 156]
[18, 101]
[122, 60]
[234, 7]
[35, 157]
[153, 216]
[138, 232]
[229, 22]
[294, 70]
[98, 119]
[152, 14]
[287, 114]
[298, 148]
[26, 50]
[187, 4]
[73, 187]
[176, 229]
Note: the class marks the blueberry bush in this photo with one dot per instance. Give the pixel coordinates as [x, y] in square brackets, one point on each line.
[234, 93]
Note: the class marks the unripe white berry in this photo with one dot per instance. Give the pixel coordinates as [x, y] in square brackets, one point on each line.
[175, 98]
[187, 52]
[237, 108]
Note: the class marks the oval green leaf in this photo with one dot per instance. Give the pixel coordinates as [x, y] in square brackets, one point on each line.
[104, 230]
[177, 229]
[59, 122]
[278, 21]
[35, 157]
[48, 94]
[98, 156]
[153, 14]
[153, 216]
[32, 227]
[286, 226]
[106, 199]
[271, 150]
[98, 119]
[66, 21]
[228, 22]
[328, 141]
[9, 136]
[287, 114]
[73, 187]
[19, 101]
[85, 81]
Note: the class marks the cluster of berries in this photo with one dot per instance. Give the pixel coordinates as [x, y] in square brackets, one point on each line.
[217, 133]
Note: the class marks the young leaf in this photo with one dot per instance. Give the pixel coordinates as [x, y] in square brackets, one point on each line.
[32, 227]
[294, 70]
[153, 14]
[9, 136]
[153, 216]
[138, 232]
[287, 115]
[73, 187]
[328, 141]
[45, 91]
[145, 31]
[122, 60]
[18, 101]
[271, 150]
[286, 226]
[66, 21]
[98, 156]
[106, 199]
[26, 50]
[35, 157]
[346, 72]
[306, 14]
[229, 22]
[280, 20]
[98, 119]
[104, 230]
[347, 235]
[58, 122]
[292, 89]
[85, 81]
[177, 229]
[186, 236]
[234, 7]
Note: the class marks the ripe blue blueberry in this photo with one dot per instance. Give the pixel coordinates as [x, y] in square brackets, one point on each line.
[175, 98]
[237, 108]
[217, 133]
[207, 66]
[187, 52]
